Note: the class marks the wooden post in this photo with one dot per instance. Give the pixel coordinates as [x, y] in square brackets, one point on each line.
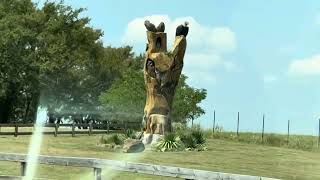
[262, 134]
[73, 127]
[16, 130]
[90, 128]
[23, 168]
[288, 132]
[108, 126]
[238, 124]
[214, 121]
[56, 130]
[125, 126]
[319, 135]
[97, 173]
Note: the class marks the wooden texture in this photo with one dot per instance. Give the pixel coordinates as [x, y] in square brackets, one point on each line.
[162, 70]
[96, 164]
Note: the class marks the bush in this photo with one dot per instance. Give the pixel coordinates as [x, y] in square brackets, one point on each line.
[301, 143]
[130, 134]
[274, 140]
[193, 138]
[178, 127]
[198, 136]
[113, 139]
[170, 142]
[188, 141]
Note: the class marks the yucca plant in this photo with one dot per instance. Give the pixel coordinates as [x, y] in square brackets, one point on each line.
[198, 136]
[130, 134]
[188, 141]
[170, 142]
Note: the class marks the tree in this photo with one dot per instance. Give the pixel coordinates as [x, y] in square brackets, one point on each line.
[186, 102]
[127, 97]
[47, 52]
[18, 70]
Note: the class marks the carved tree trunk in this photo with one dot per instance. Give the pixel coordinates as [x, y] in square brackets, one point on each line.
[162, 71]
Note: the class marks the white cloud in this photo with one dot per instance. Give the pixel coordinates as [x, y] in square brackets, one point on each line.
[269, 78]
[206, 62]
[200, 37]
[201, 79]
[223, 39]
[205, 50]
[305, 67]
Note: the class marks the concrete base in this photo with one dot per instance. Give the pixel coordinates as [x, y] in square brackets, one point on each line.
[151, 138]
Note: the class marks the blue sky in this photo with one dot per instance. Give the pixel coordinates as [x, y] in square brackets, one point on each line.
[252, 56]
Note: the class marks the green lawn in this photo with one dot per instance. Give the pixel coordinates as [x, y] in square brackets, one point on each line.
[223, 155]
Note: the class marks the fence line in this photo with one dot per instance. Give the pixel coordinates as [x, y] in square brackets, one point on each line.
[263, 135]
[98, 164]
[90, 128]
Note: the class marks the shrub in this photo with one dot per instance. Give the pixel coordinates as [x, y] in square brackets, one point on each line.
[170, 142]
[301, 143]
[178, 127]
[188, 140]
[193, 139]
[274, 140]
[130, 134]
[113, 139]
[198, 136]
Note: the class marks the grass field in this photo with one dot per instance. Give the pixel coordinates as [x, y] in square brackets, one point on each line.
[223, 155]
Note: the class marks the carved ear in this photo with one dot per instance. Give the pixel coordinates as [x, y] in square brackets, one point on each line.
[161, 27]
[150, 27]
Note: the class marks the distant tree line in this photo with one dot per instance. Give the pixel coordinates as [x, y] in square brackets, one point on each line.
[51, 56]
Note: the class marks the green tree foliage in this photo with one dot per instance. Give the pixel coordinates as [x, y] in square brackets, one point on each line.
[126, 99]
[186, 102]
[53, 53]
[18, 67]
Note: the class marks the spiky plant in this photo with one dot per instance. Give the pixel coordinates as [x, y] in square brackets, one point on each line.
[188, 140]
[198, 136]
[170, 142]
[130, 134]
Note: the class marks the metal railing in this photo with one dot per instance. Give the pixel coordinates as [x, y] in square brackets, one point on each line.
[98, 164]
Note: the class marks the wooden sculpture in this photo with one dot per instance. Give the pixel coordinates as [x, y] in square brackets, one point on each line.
[162, 71]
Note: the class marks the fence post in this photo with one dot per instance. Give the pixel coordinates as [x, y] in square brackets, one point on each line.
[288, 132]
[97, 173]
[56, 130]
[125, 126]
[16, 130]
[238, 124]
[23, 168]
[214, 121]
[262, 134]
[73, 127]
[319, 134]
[108, 126]
[90, 128]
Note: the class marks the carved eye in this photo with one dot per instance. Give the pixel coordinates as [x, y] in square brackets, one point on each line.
[158, 43]
[150, 63]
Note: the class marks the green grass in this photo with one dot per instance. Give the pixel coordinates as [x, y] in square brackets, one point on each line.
[223, 155]
[306, 143]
